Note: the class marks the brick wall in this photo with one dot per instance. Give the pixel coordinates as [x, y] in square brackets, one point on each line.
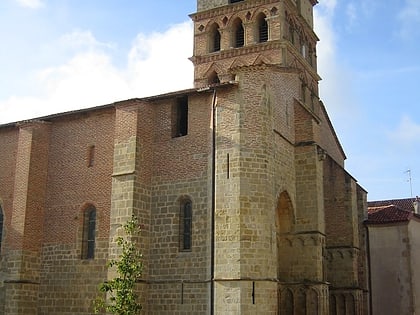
[287, 215]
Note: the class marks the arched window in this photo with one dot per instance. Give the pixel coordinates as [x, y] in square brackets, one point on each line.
[262, 28]
[1, 226]
[89, 227]
[239, 34]
[214, 78]
[215, 38]
[185, 225]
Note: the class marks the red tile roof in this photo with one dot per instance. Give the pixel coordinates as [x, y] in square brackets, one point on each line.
[391, 211]
[405, 204]
[388, 214]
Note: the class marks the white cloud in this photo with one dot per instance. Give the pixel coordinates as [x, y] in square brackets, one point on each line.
[82, 39]
[351, 12]
[159, 63]
[155, 64]
[409, 17]
[31, 4]
[406, 133]
[336, 83]
[328, 6]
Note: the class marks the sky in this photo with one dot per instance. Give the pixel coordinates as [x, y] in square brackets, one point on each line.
[61, 55]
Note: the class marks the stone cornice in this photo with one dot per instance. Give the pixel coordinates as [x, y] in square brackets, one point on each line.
[229, 9]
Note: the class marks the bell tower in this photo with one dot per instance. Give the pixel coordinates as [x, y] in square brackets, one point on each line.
[269, 226]
[236, 33]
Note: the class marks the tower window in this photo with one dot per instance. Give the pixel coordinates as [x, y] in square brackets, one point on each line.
[239, 33]
[262, 29]
[1, 226]
[215, 38]
[214, 78]
[89, 226]
[185, 225]
[180, 117]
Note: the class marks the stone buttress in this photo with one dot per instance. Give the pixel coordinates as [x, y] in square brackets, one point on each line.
[22, 260]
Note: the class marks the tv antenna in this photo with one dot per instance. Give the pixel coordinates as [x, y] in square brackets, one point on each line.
[410, 181]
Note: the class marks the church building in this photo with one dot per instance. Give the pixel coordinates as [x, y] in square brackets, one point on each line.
[238, 183]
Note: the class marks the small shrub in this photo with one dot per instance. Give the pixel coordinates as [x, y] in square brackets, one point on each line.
[122, 299]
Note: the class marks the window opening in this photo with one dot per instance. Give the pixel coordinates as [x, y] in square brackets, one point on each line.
[216, 38]
[234, 1]
[239, 35]
[228, 166]
[181, 117]
[186, 225]
[89, 226]
[91, 156]
[262, 29]
[214, 79]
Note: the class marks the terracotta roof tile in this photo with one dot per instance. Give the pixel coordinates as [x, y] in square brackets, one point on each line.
[405, 204]
[388, 214]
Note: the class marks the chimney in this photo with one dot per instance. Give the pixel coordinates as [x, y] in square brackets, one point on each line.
[416, 205]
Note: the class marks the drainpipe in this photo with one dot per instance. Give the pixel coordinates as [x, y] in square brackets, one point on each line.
[369, 269]
[213, 204]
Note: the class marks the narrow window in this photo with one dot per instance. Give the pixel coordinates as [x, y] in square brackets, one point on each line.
[262, 29]
[215, 38]
[1, 226]
[89, 226]
[234, 1]
[91, 156]
[180, 117]
[185, 225]
[228, 165]
[239, 33]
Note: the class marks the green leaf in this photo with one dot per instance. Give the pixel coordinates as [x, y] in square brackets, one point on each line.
[129, 266]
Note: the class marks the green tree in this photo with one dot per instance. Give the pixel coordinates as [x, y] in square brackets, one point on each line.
[122, 299]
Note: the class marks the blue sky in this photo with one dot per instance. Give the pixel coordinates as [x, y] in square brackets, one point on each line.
[60, 55]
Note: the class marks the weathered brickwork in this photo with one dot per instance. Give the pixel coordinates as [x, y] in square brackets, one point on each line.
[275, 219]
[346, 240]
